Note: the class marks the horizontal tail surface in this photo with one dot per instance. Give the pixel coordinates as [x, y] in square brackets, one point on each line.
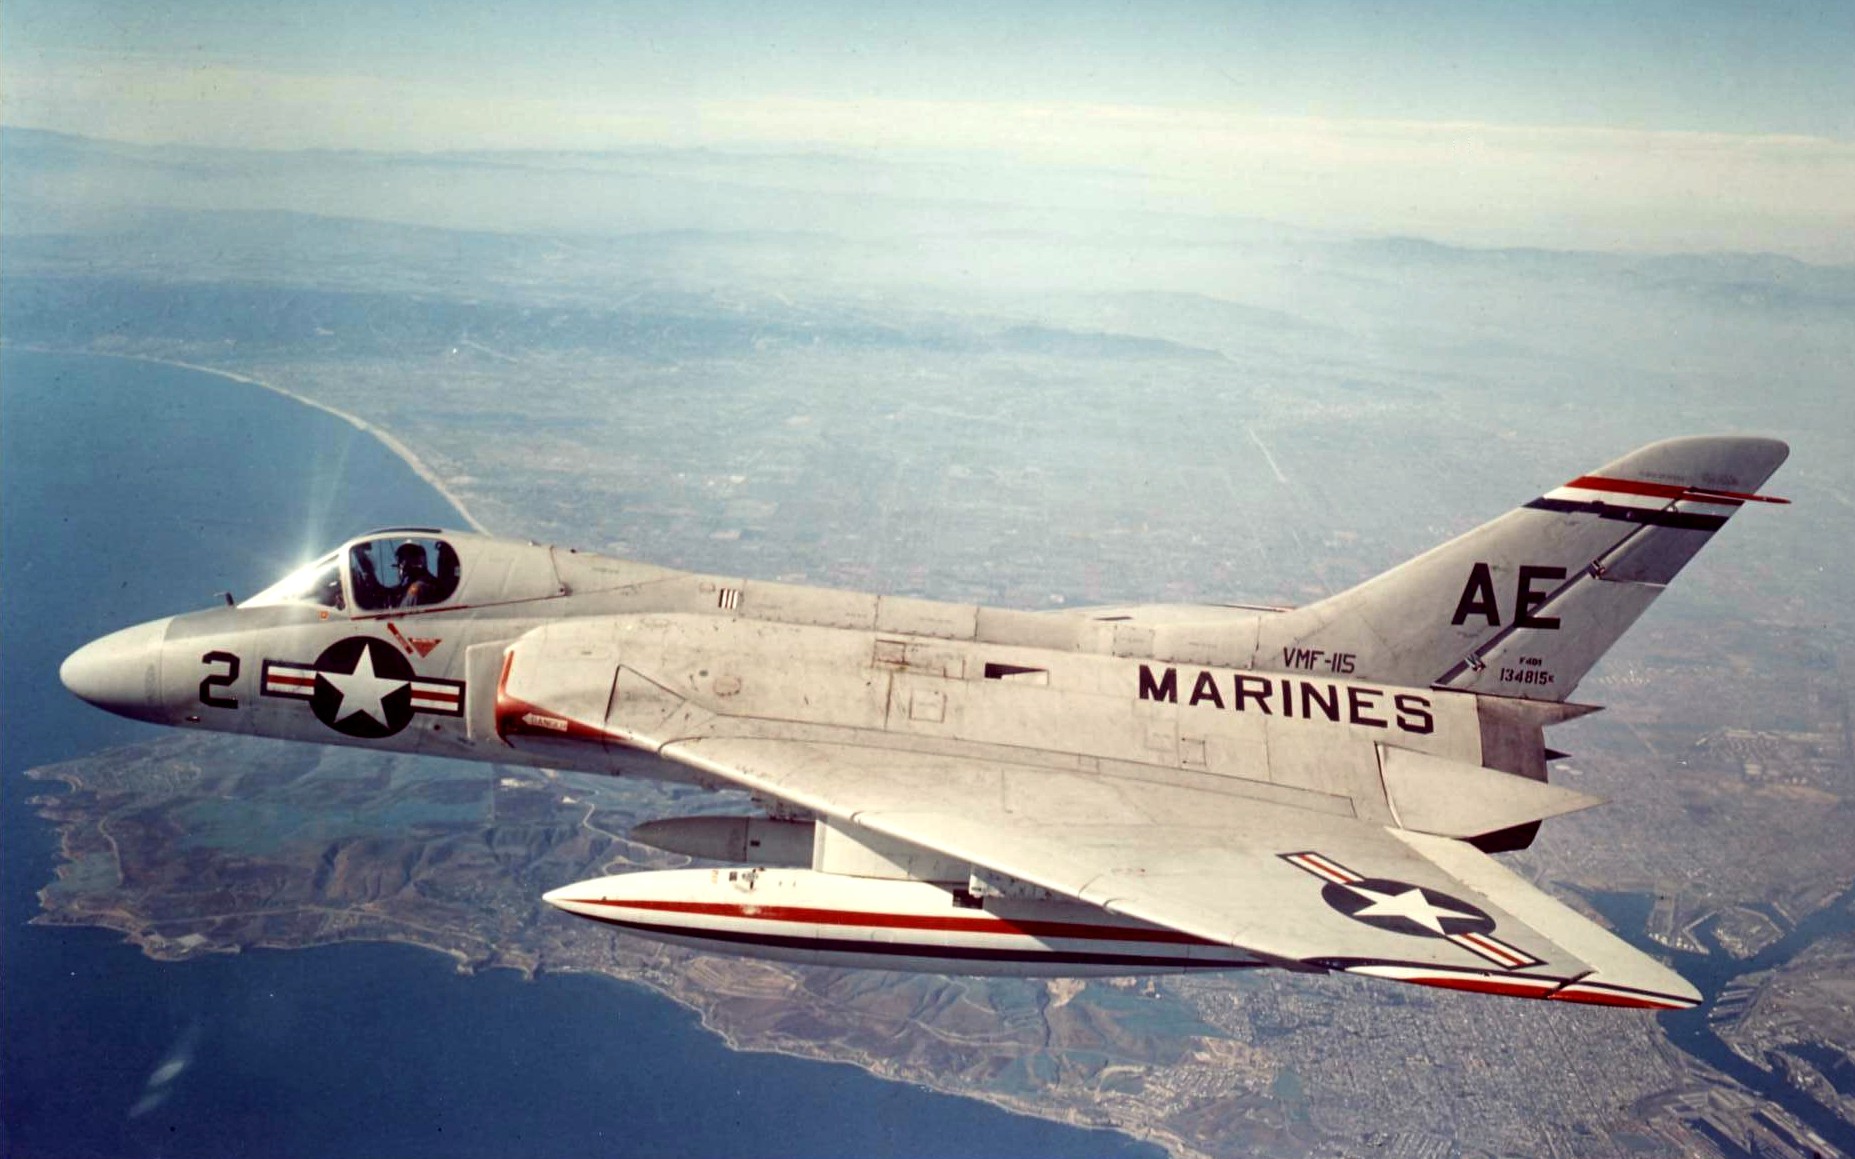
[1525, 605]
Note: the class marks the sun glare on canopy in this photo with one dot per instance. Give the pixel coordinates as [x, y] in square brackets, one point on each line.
[313, 583]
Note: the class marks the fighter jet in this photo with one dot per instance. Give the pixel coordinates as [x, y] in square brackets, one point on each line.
[958, 789]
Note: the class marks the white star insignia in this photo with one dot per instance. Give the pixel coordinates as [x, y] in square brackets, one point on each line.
[1411, 905]
[362, 691]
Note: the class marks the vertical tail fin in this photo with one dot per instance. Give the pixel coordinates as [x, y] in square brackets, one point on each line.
[1525, 605]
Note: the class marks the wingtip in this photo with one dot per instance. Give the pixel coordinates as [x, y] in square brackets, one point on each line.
[1679, 996]
[1586, 991]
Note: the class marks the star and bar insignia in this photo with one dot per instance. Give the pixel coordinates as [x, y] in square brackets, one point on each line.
[363, 687]
[1403, 908]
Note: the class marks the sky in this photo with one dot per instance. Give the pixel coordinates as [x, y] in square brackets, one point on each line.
[1698, 125]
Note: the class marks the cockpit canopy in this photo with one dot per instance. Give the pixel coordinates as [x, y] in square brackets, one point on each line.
[314, 583]
[415, 568]
[402, 572]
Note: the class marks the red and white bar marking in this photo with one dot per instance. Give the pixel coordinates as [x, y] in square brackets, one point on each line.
[1495, 950]
[284, 679]
[298, 681]
[442, 697]
[1322, 867]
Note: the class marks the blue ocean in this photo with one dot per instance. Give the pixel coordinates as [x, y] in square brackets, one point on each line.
[132, 490]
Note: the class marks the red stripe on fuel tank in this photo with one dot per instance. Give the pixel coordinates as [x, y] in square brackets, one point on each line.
[832, 917]
[1479, 984]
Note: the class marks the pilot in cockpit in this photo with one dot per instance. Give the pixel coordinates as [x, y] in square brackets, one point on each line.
[424, 573]
[417, 585]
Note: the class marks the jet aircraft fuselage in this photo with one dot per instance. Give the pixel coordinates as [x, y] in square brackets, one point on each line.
[970, 789]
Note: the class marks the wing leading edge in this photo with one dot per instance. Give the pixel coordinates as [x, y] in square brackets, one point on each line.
[1302, 889]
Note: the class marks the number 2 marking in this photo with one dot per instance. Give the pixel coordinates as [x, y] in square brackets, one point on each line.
[219, 680]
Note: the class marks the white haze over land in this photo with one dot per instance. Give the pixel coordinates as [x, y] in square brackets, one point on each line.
[1684, 128]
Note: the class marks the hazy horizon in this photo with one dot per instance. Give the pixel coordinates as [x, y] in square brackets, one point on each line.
[1658, 128]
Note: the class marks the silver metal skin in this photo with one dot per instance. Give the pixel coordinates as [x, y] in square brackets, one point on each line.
[971, 789]
[120, 672]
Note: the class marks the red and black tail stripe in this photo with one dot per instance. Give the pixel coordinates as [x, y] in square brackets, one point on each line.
[1671, 491]
[1648, 516]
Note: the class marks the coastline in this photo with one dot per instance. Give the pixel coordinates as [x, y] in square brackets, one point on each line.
[90, 855]
[136, 929]
[380, 434]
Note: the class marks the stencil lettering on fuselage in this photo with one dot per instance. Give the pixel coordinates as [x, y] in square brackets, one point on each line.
[1290, 697]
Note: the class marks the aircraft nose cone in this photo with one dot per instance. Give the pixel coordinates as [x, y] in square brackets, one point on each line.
[120, 672]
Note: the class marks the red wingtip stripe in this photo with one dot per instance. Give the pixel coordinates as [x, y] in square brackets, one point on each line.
[1497, 951]
[1670, 491]
[1592, 995]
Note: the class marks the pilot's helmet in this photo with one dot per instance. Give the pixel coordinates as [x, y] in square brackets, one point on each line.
[409, 556]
